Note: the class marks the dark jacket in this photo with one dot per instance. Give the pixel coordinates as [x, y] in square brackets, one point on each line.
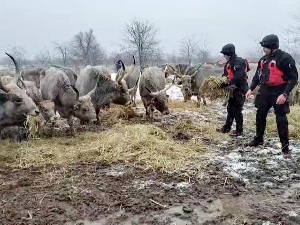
[284, 63]
[238, 67]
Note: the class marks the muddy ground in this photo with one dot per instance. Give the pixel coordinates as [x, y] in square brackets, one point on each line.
[238, 185]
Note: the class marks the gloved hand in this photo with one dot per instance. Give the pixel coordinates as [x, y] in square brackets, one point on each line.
[223, 85]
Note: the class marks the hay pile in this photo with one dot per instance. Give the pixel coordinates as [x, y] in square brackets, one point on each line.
[116, 113]
[211, 88]
[143, 145]
[34, 125]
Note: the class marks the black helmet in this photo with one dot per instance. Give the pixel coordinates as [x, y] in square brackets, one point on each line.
[270, 41]
[228, 50]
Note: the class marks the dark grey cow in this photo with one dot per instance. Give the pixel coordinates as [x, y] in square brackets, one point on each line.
[15, 104]
[93, 83]
[153, 89]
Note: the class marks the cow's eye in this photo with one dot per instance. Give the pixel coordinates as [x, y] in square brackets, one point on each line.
[18, 100]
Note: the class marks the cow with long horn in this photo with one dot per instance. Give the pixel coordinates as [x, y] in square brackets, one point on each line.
[131, 80]
[153, 89]
[15, 104]
[190, 82]
[102, 91]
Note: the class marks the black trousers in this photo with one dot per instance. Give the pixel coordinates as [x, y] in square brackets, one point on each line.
[234, 111]
[263, 103]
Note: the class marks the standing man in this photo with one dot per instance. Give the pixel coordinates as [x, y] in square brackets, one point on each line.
[236, 70]
[277, 75]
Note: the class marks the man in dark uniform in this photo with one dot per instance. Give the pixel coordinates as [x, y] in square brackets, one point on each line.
[235, 70]
[277, 75]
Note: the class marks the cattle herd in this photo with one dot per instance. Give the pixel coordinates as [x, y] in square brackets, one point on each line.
[55, 89]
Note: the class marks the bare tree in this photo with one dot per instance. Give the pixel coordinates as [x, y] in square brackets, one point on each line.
[86, 50]
[188, 48]
[256, 52]
[63, 50]
[44, 57]
[291, 38]
[157, 57]
[202, 51]
[140, 39]
[19, 53]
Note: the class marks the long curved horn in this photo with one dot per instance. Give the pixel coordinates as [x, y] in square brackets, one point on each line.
[123, 73]
[127, 74]
[196, 71]
[163, 90]
[77, 92]
[17, 75]
[176, 73]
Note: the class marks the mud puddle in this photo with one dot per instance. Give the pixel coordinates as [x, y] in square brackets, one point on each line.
[179, 215]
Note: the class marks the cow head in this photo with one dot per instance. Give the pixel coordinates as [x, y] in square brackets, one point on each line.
[185, 83]
[47, 110]
[84, 109]
[119, 93]
[159, 100]
[16, 103]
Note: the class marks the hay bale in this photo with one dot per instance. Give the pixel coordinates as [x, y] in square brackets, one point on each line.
[211, 88]
[35, 125]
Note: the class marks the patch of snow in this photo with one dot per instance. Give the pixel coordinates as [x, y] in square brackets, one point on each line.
[113, 76]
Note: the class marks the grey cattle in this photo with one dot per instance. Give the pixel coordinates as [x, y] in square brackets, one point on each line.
[93, 84]
[15, 104]
[56, 86]
[153, 89]
[190, 83]
[175, 69]
[31, 89]
[69, 72]
[32, 74]
[46, 108]
[131, 81]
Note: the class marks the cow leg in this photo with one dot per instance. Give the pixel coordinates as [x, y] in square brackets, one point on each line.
[71, 125]
[198, 100]
[204, 100]
[97, 116]
[146, 107]
[133, 99]
[52, 129]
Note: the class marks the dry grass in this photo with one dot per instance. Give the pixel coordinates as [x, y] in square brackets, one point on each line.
[271, 128]
[212, 90]
[35, 126]
[207, 130]
[144, 145]
[116, 113]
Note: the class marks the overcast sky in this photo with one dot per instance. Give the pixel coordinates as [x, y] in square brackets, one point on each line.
[35, 24]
